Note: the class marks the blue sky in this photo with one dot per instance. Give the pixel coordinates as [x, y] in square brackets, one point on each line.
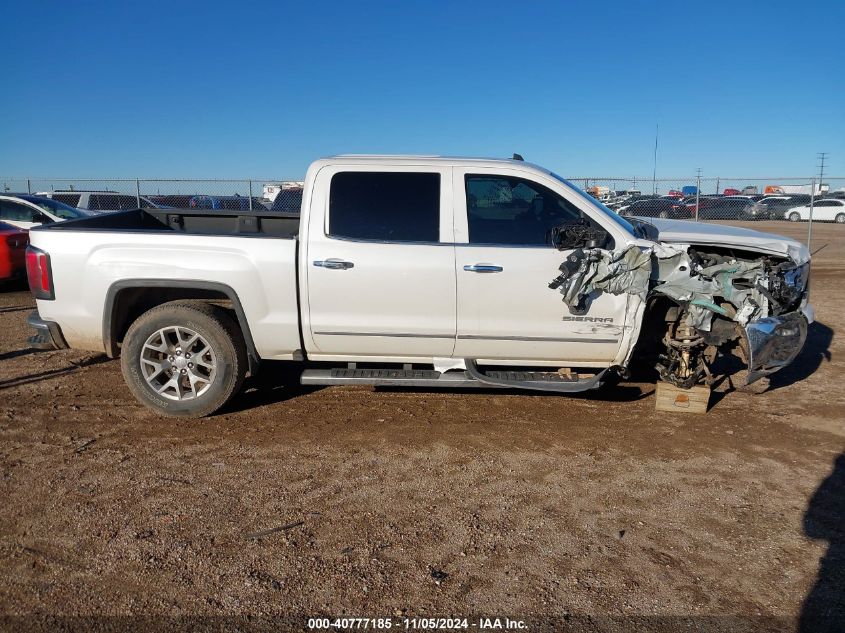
[225, 89]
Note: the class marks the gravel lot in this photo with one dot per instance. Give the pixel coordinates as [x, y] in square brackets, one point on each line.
[301, 502]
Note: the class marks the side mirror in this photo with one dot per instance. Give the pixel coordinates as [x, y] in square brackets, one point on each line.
[579, 234]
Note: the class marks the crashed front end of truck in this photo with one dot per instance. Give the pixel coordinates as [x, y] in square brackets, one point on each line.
[700, 301]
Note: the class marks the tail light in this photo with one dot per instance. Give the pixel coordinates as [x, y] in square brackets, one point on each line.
[39, 273]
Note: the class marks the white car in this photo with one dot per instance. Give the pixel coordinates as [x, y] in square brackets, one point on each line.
[824, 210]
[25, 211]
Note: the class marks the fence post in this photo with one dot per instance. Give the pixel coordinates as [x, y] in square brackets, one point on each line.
[138, 192]
[250, 195]
[697, 192]
[28, 185]
[812, 202]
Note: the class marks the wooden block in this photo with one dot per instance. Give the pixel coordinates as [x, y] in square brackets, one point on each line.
[675, 399]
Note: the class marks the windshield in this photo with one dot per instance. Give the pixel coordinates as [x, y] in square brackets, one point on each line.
[54, 207]
[608, 212]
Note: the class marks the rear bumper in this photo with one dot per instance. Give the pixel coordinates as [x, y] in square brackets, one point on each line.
[774, 342]
[48, 334]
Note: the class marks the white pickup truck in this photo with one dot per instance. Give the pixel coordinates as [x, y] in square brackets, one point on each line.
[414, 271]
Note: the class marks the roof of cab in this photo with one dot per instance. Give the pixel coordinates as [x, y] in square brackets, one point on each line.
[429, 159]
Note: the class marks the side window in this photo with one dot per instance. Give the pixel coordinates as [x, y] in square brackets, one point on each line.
[514, 211]
[68, 198]
[385, 206]
[15, 212]
[94, 202]
[127, 202]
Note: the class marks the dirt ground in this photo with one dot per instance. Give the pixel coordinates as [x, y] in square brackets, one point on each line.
[592, 511]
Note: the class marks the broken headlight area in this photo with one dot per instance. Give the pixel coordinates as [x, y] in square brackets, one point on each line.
[720, 300]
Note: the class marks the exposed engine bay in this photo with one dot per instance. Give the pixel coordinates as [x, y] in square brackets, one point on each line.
[703, 300]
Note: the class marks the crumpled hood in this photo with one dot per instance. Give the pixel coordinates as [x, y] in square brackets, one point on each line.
[686, 232]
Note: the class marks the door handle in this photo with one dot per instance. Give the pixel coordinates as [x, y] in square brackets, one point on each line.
[483, 268]
[333, 264]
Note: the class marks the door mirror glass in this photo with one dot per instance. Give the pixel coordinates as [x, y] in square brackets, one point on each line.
[578, 234]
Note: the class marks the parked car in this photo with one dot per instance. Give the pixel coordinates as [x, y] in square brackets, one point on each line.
[824, 210]
[13, 242]
[731, 192]
[777, 206]
[755, 209]
[174, 201]
[726, 208]
[657, 208]
[361, 276]
[25, 211]
[99, 200]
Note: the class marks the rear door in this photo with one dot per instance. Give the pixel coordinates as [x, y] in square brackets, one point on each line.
[504, 262]
[381, 263]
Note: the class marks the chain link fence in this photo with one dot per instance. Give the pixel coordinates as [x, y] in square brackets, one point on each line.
[794, 199]
[100, 195]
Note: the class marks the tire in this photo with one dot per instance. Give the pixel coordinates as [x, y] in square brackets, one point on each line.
[166, 339]
[794, 217]
[664, 215]
[840, 218]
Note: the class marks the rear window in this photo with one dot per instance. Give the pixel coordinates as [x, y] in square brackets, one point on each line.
[385, 206]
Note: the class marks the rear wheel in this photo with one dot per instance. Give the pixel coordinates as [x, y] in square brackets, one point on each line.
[840, 218]
[794, 216]
[184, 359]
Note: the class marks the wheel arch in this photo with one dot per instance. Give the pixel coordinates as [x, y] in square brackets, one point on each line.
[127, 299]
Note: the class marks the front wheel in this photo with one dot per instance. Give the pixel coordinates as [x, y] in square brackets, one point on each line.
[184, 359]
[663, 214]
[794, 217]
[840, 218]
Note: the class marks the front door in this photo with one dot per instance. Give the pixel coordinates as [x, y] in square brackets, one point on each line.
[504, 262]
[381, 264]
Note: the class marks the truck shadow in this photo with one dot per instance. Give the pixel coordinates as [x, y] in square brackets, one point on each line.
[277, 381]
[816, 351]
[823, 610]
[53, 373]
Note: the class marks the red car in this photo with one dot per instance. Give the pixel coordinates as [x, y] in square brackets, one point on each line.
[732, 192]
[13, 243]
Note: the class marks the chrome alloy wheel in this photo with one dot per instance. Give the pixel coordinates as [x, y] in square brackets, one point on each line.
[178, 363]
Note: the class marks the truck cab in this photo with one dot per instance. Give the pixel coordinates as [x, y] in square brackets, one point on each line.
[455, 242]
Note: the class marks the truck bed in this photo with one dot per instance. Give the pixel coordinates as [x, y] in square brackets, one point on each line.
[246, 257]
[190, 221]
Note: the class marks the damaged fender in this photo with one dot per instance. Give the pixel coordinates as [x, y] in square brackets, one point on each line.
[761, 294]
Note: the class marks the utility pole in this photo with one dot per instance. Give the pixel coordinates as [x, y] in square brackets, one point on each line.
[654, 174]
